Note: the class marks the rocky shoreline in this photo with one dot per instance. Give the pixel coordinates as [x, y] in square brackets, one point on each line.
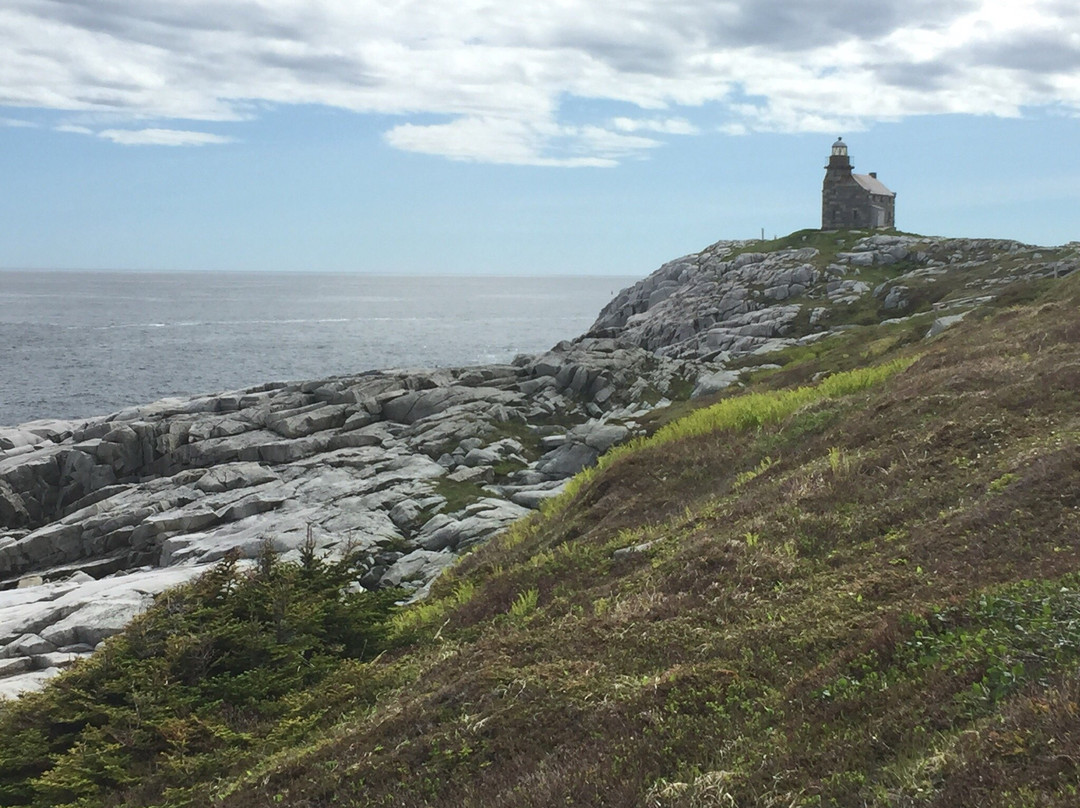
[411, 467]
[408, 468]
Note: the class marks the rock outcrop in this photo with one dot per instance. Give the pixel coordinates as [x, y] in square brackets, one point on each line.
[731, 301]
[407, 468]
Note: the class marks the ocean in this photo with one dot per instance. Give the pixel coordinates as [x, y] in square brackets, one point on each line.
[75, 344]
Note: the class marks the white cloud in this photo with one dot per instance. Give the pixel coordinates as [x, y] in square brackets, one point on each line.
[734, 129]
[491, 140]
[505, 140]
[498, 75]
[161, 137]
[17, 123]
[666, 126]
[72, 129]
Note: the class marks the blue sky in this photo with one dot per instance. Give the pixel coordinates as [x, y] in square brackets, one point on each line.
[581, 136]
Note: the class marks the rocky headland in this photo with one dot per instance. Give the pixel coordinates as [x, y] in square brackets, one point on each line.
[411, 467]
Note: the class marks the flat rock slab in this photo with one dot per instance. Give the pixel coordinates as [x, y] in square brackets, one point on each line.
[93, 622]
[235, 475]
[942, 323]
[413, 407]
[70, 612]
[14, 686]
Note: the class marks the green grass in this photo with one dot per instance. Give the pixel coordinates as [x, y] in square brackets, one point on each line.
[458, 495]
[433, 610]
[755, 409]
[862, 593]
[522, 433]
[827, 243]
[739, 413]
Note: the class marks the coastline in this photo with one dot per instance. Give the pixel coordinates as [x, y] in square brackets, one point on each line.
[414, 467]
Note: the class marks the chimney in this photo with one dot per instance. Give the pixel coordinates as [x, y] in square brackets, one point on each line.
[873, 174]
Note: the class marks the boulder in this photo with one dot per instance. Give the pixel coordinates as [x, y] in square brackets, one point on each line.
[567, 460]
[406, 514]
[47, 545]
[942, 323]
[711, 383]
[447, 535]
[533, 498]
[28, 645]
[359, 418]
[477, 474]
[416, 568]
[479, 521]
[122, 448]
[896, 299]
[598, 435]
[482, 457]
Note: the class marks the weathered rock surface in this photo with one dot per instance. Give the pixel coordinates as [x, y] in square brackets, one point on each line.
[99, 516]
[728, 302]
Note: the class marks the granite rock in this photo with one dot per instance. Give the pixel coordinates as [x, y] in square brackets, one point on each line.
[99, 515]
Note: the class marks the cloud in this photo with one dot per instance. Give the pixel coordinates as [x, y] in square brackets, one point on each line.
[503, 140]
[496, 77]
[17, 123]
[73, 129]
[666, 126]
[1041, 53]
[161, 137]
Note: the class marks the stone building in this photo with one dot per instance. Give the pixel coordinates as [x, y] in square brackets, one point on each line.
[853, 200]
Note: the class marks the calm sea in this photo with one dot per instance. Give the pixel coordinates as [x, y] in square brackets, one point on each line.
[74, 344]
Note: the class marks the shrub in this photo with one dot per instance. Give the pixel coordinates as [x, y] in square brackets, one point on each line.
[189, 688]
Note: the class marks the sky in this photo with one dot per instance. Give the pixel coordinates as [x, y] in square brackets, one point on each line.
[525, 137]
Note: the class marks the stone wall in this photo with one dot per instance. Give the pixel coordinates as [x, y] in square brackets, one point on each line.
[888, 205]
[844, 204]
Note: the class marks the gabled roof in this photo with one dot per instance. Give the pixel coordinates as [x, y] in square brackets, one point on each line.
[872, 184]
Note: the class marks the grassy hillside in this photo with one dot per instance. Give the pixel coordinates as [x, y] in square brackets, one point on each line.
[860, 588]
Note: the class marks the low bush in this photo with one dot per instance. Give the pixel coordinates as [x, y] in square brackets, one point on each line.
[193, 686]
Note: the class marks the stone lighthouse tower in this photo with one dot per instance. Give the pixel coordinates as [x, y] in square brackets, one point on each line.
[853, 200]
